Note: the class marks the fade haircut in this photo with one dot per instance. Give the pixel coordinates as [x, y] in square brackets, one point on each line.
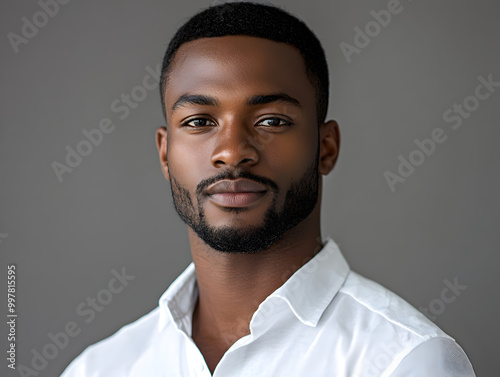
[256, 20]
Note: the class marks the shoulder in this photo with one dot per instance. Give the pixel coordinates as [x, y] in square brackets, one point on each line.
[390, 336]
[126, 346]
[435, 357]
[372, 300]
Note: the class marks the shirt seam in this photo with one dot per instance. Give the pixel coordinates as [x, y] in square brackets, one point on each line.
[399, 324]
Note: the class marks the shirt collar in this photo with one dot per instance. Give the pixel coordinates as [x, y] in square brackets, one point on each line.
[307, 292]
[311, 288]
[179, 299]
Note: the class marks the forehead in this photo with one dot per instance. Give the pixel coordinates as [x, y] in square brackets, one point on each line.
[238, 67]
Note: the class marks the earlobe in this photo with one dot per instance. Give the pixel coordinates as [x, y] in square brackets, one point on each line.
[161, 145]
[329, 146]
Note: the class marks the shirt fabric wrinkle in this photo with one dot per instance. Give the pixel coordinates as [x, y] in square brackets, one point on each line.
[325, 320]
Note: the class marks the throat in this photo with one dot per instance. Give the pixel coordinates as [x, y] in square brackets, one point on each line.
[214, 337]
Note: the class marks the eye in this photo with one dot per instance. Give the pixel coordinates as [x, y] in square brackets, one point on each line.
[198, 123]
[274, 122]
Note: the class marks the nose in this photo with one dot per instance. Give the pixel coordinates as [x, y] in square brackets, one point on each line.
[234, 147]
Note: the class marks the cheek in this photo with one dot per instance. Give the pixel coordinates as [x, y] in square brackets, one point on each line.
[291, 156]
[187, 162]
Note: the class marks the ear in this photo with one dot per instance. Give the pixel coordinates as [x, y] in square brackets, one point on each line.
[161, 144]
[329, 146]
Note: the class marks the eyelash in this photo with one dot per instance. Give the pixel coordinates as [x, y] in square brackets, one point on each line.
[283, 122]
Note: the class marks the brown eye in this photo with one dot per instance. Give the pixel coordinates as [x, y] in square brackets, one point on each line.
[198, 122]
[274, 122]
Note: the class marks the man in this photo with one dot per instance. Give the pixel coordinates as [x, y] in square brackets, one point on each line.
[245, 95]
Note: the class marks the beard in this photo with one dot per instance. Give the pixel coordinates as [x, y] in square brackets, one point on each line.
[300, 201]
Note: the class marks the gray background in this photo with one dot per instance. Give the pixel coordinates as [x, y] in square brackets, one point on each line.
[114, 210]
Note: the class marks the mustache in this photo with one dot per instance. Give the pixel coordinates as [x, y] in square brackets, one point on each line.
[234, 174]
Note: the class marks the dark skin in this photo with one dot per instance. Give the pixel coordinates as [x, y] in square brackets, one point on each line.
[237, 135]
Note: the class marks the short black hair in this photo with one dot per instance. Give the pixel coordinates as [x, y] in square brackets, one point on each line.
[257, 20]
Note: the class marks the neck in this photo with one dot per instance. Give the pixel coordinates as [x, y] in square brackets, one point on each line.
[232, 286]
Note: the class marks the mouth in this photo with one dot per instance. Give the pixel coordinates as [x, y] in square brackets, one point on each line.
[237, 193]
[236, 200]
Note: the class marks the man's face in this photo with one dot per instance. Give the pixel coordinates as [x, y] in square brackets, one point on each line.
[242, 145]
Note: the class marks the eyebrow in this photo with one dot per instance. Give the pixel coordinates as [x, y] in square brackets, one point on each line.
[261, 99]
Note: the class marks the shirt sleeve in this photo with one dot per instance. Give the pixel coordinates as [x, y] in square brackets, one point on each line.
[437, 357]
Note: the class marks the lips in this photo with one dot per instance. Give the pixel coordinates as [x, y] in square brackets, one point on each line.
[236, 193]
[235, 186]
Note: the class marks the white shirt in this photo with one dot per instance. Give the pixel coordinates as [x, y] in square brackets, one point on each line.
[325, 320]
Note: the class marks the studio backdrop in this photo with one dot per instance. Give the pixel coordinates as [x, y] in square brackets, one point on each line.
[89, 238]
